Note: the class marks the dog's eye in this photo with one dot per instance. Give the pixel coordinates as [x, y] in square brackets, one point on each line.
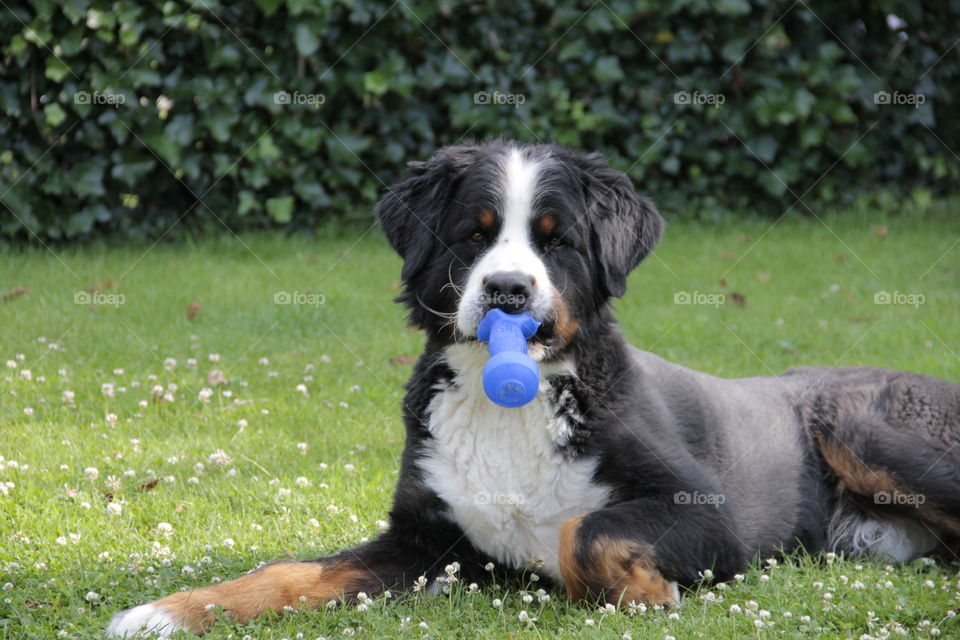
[478, 238]
[554, 242]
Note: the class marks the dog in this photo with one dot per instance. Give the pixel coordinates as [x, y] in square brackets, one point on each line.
[627, 477]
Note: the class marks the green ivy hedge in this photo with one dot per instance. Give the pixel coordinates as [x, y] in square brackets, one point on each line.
[145, 118]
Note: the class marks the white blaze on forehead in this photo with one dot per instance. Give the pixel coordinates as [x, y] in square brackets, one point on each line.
[512, 249]
[519, 189]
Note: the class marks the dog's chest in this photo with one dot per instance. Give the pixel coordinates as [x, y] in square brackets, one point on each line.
[501, 473]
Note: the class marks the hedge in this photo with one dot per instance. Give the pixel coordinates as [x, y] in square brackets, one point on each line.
[149, 118]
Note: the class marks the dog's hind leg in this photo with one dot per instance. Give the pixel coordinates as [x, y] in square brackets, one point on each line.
[899, 491]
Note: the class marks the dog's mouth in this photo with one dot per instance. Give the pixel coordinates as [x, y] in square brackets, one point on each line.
[545, 336]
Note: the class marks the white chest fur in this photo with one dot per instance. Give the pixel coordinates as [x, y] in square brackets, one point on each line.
[499, 470]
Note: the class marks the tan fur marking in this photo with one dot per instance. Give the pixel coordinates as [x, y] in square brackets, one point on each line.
[269, 589]
[547, 224]
[623, 569]
[569, 568]
[567, 324]
[853, 474]
[487, 218]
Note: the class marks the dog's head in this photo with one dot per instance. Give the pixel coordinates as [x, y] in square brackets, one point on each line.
[535, 228]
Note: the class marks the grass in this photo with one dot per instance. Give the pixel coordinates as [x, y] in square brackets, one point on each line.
[305, 474]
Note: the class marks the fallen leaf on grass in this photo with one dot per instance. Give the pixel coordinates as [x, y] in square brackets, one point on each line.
[149, 484]
[10, 294]
[763, 276]
[192, 310]
[100, 286]
[402, 359]
[728, 255]
[739, 299]
[880, 232]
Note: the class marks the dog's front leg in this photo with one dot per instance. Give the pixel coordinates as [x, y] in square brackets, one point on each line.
[643, 550]
[395, 560]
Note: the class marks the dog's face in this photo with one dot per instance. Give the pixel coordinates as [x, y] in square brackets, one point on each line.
[534, 228]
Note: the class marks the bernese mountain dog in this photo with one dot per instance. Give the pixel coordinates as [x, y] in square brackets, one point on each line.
[627, 476]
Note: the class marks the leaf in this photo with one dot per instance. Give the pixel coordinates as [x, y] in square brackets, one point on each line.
[607, 69]
[247, 202]
[305, 39]
[10, 294]
[731, 7]
[280, 209]
[268, 6]
[764, 148]
[376, 82]
[56, 70]
[54, 114]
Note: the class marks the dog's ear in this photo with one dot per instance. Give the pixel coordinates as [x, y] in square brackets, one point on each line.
[624, 227]
[410, 212]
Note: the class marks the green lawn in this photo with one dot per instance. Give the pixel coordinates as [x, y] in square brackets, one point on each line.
[262, 471]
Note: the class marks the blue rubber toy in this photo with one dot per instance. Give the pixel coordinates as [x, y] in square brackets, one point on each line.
[511, 378]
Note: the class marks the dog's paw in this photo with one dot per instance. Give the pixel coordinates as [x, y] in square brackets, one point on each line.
[145, 621]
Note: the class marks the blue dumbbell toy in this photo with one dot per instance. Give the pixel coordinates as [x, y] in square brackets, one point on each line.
[511, 378]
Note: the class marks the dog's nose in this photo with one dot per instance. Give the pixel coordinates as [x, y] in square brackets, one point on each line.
[508, 290]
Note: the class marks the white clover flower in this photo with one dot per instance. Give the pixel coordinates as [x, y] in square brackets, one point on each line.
[114, 508]
[91, 473]
[26, 375]
[165, 529]
[214, 357]
[219, 458]
[302, 447]
[488, 566]
[107, 389]
[92, 596]
[228, 542]
[170, 364]
[68, 396]
[302, 388]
